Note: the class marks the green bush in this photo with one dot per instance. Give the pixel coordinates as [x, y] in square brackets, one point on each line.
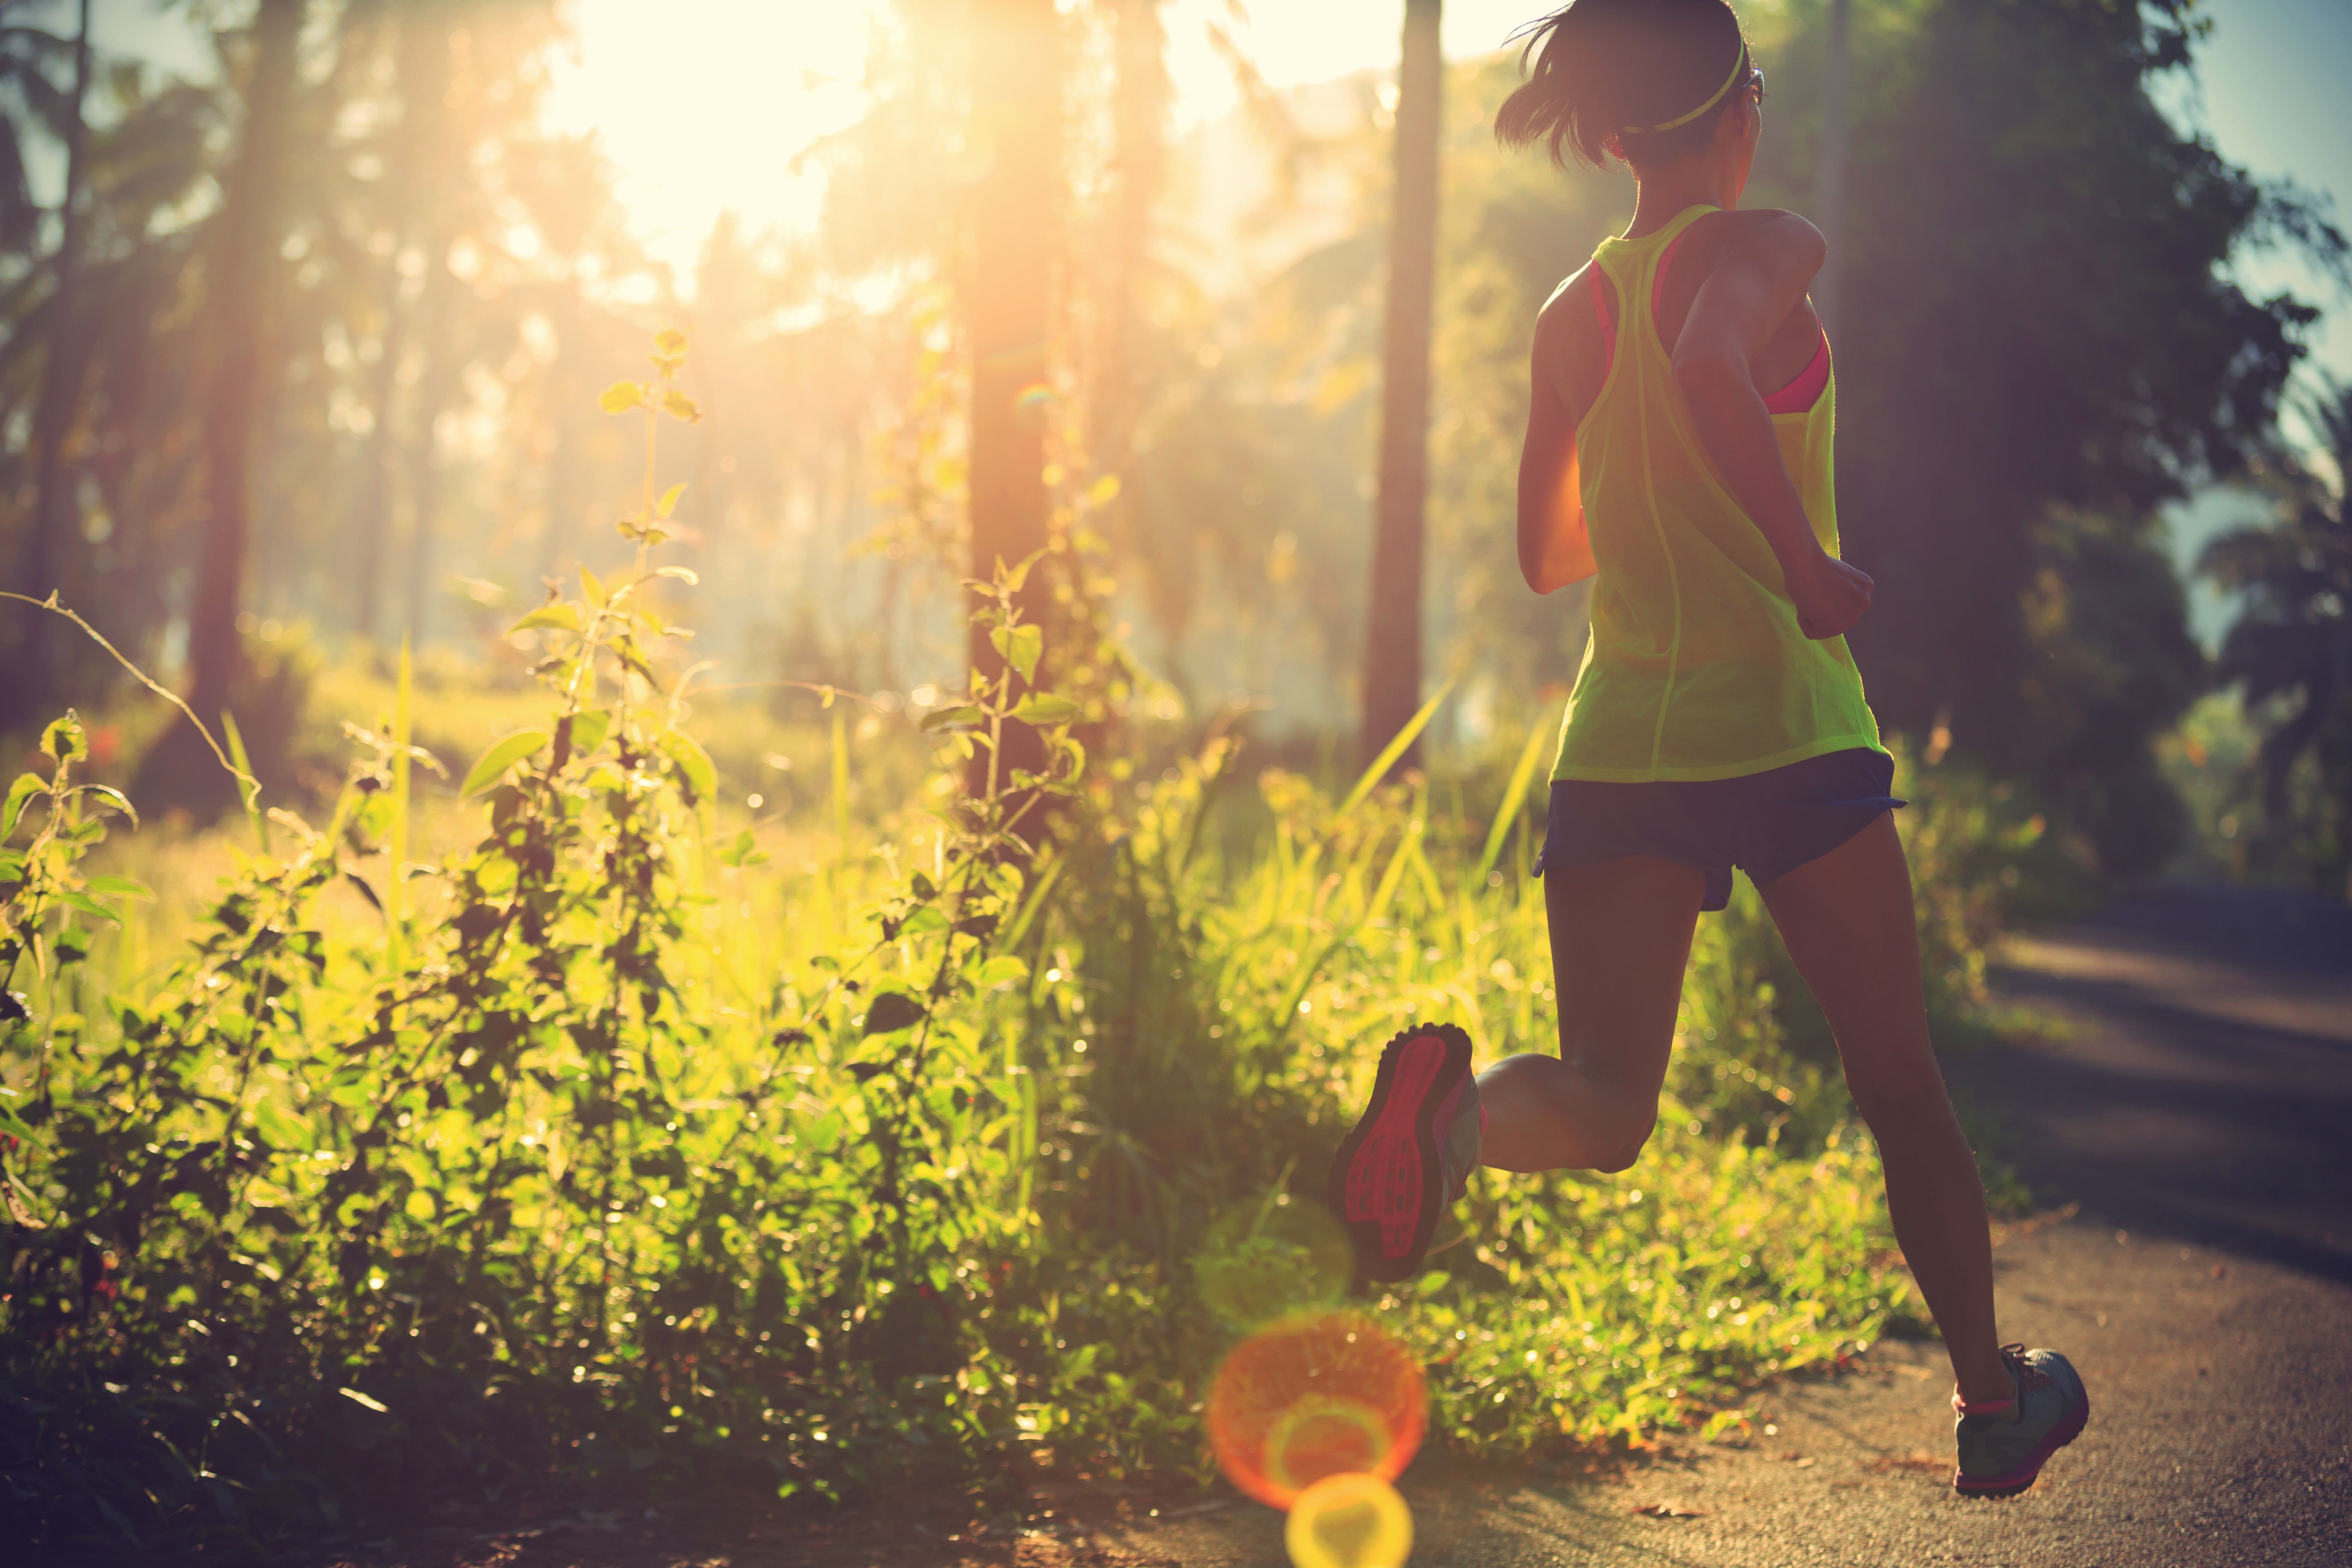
[613, 1151]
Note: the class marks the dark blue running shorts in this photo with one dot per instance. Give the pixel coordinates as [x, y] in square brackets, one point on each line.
[1765, 824]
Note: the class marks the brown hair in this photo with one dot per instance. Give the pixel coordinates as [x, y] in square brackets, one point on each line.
[1606, 67]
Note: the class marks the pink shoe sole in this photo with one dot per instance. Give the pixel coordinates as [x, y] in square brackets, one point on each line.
[1388, 1182]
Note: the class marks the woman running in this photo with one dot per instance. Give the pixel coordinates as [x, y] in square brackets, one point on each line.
[1678, 451]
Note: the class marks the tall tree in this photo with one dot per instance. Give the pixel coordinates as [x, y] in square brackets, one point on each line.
[420, 70]
[1140, 100]
[62, 377]
[239, 269]
[2291, 647]
[1392, 645]
[1829, 185]
[1015, 130]
[2039, 345]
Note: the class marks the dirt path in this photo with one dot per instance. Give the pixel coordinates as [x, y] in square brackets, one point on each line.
[2197, 1108]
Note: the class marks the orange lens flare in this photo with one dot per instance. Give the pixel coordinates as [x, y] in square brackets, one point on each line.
[1311, 1397]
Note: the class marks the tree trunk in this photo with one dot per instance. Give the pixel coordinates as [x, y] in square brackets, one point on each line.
[1829, 198]
[1016, 112]
[1139, 120]
[441, 165]
[1393, 640]
[65, 369]
[240, 265]
[421, 56]
[437, 389]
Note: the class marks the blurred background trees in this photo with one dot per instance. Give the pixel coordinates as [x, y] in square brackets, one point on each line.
[296, 350]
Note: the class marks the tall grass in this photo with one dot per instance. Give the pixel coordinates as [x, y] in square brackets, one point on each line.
[611, 1145]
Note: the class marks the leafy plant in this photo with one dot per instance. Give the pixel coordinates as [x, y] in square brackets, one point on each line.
[612, 1147]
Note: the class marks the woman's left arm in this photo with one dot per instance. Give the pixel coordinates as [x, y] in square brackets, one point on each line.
[1554, 548]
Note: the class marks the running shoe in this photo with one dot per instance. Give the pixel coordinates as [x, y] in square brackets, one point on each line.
[1411, 1156]
[2003, 1449]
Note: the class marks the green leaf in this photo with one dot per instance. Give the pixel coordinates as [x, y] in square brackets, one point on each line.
[1002, 969]
[120, 887]
[744, 851]
[502, 755]
[16, 1127]
[1042, 708]
[89, 906]
[1020, 648]
[559, 615]
[669, 343]
[593, 586]
[683, 574]
[678, 405]
[63, 741]
[27, 786]
[668, 503]
[892, 1011]
[365, 892]
[928, 919]
[1393, 750]
[693, 764]
[944, 717]
[621, 397]
[107, 796]
[589, 728]
[1015, 576]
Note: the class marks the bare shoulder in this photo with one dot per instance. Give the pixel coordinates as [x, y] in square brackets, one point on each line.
[1773, 236]
[1567, 316]
[1571, 356]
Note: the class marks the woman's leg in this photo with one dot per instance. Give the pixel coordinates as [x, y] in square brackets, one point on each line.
[1848, 922]
[1621, 935]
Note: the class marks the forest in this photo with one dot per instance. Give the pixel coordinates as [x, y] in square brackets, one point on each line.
[784, 872]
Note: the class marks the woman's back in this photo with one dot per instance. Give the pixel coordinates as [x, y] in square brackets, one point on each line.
[1697, 669]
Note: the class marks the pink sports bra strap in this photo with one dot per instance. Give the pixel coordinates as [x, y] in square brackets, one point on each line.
[1800, 395]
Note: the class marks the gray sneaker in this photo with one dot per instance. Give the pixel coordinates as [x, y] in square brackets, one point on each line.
[2003, 1452]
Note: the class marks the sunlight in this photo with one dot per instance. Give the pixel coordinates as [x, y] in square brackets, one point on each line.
[702, 106]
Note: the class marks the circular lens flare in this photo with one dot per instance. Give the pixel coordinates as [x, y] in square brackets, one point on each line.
[1313, 1396]
[1348, 1522]
[1324, 1435]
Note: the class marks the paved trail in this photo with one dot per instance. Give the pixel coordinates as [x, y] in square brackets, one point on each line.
[2199, 1107]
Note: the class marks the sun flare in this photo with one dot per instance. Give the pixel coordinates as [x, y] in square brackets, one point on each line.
[704, 106]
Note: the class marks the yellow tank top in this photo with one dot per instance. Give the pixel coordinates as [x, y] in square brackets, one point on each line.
[1697, 669]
